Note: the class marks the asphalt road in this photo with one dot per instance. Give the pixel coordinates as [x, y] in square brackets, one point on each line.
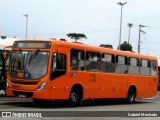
[90, 110]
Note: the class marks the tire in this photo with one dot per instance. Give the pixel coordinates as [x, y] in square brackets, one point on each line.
[131, 96]
[75, 98]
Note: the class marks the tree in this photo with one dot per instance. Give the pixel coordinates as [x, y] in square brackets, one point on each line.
[76, 36]
[125, 46]
[106, 46]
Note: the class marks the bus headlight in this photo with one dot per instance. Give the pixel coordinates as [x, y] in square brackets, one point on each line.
[8, 84]
[41, 87]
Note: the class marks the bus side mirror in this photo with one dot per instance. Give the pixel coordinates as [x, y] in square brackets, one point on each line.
[4, 55]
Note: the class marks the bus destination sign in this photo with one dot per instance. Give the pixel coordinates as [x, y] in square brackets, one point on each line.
[30, 44]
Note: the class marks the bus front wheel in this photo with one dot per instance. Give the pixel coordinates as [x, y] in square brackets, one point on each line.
[131, 95]
[74, 98]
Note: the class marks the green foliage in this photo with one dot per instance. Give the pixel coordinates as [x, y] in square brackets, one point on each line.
[76, 36]
[125, 46]
[106, 46]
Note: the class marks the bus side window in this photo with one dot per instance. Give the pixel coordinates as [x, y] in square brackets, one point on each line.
[108, 63]
[93, 61]
[153, 68]
[133, 67]
[61, 61]
[58, 65]
[145, 67]
[58, 62]
[77, 59]
[54, 63]
[121, 64]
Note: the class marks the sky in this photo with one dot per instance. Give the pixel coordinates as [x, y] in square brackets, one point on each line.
[99, 20]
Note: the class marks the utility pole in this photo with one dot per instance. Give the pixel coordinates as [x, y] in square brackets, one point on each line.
[129, 25]
[139, 43]
[120, 23]
[26, 15]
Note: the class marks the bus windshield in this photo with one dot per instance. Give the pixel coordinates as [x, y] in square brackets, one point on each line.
[28, 64]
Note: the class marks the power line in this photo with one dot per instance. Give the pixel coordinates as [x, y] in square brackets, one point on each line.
[63, 33]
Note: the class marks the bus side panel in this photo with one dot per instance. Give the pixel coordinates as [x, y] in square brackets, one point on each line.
[93, 83]
[142, 84]
[121, 86]
[134, 80]
[60, 87]
[42, 94]
[90, 82]
[113, 85]
[107, 85]
[144, 90]
[154, 85]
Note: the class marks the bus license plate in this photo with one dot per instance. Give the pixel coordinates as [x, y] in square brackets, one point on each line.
[22, 96]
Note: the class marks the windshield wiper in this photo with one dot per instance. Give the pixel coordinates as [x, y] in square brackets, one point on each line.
[33, 56]
[13, 63]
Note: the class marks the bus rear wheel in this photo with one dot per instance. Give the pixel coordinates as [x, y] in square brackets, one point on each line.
[75, 98]
[131, 95]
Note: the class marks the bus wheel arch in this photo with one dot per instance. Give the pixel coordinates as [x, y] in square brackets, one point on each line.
[76, 95]
[131, 94]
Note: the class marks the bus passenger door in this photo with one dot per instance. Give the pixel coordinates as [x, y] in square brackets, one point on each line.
[59, 77]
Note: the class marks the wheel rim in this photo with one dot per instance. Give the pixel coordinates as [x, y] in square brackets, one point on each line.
[131, 97]
[74, 97]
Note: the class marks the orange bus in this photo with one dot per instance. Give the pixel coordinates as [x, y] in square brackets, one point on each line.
[59, 70]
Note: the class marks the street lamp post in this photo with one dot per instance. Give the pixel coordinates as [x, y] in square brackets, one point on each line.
[129, 25]
[139, 43]
[26, 15]
[120, 23]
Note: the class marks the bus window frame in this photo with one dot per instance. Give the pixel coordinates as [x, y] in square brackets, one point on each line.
[143, 67]
[97, 61]
[112, 62]
[78, 68]
[57, 72]
[118, 70]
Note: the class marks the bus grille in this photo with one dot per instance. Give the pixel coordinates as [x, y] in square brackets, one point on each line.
[27, 94]
[25, 82]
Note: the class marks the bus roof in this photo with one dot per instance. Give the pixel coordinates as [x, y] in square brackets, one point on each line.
[78, 45]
